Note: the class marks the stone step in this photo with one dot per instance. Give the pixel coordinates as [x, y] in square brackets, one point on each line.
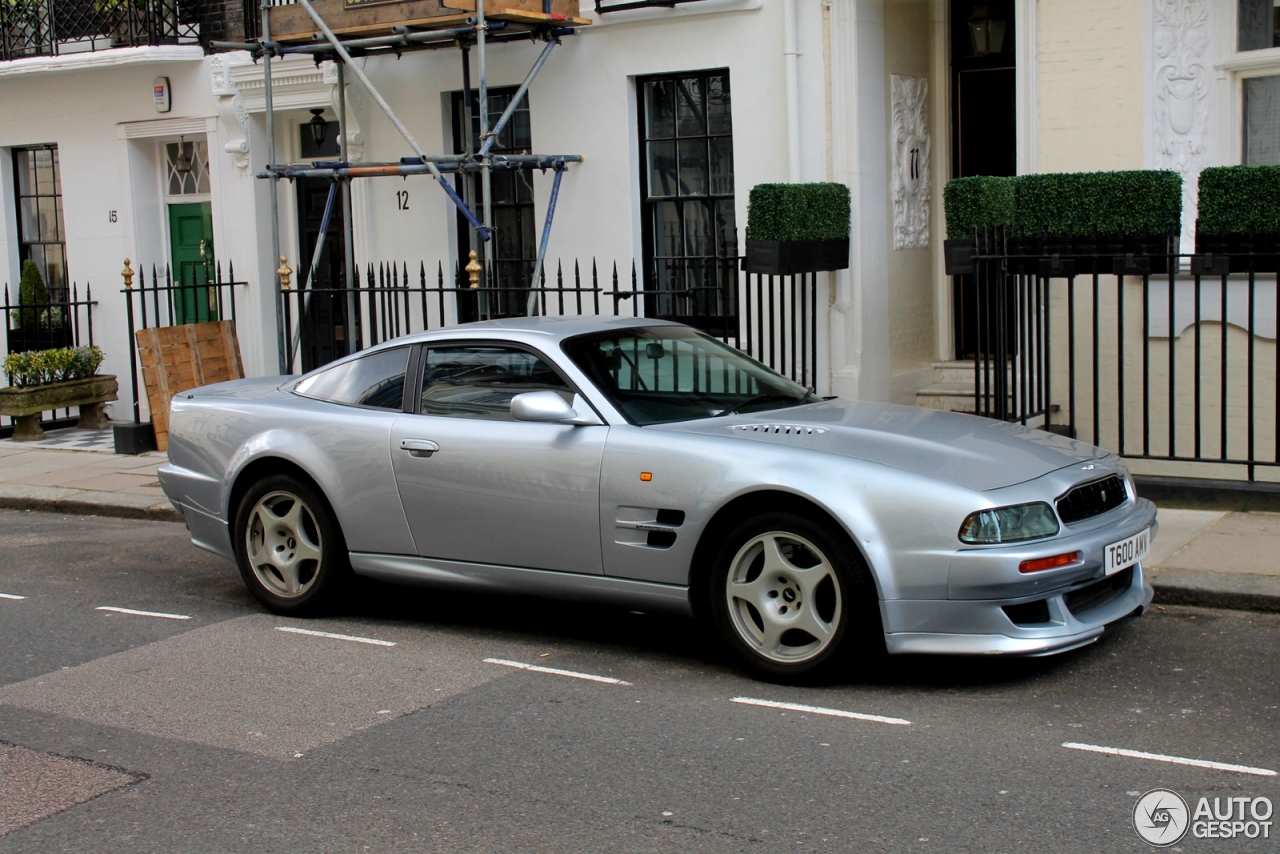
[961, 371]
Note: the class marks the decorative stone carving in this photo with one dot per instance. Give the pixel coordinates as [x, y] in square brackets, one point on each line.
[1182, 83]
[355, 105]
[911, 144]
[231, 109]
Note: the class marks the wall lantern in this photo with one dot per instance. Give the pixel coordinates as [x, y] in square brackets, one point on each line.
[182, 163]
[986, 32]
[319, 127]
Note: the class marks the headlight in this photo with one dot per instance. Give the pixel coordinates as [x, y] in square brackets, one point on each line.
[1009, 524]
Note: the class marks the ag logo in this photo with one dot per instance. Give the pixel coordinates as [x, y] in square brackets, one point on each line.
[1161, 817]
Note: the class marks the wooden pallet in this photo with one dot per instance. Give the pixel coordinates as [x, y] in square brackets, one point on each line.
[291, 23]
[175, 359]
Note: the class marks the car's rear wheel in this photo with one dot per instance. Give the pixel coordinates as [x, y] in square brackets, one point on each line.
[291, 553]
[791, 600]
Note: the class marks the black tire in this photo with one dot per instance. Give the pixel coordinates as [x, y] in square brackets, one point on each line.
[284, 553]
[764, 623]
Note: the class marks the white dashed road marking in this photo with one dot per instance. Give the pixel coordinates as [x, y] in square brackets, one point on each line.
[315, 634]
[819, 710]
[142, 613]
[1176, 760]
[536, 668]
[11, 596]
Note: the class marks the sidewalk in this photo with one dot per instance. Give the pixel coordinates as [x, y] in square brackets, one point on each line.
[1200, 557]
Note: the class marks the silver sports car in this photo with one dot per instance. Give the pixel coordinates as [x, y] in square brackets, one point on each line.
[645, 464]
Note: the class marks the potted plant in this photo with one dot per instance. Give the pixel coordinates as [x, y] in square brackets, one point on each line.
[43, 380]
[1096, 217]
[1239, 215]
[797, 228]
[40, 323]
[973, 207]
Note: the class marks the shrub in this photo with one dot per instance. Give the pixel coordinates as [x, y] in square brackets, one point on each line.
[798, 212]
[977, 203]
[42, 367]
[31, 292]
[1239, 199]
[1112, 203]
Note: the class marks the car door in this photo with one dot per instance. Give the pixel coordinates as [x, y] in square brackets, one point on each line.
[480, 487]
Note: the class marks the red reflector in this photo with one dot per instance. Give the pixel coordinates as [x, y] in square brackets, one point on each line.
[1042, 563]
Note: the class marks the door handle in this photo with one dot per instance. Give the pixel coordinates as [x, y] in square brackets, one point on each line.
[419, 447]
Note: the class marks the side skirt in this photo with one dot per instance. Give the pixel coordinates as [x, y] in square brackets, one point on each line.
[405, 569]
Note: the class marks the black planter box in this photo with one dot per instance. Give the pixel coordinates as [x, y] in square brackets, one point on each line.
[957, 253]
[1257, 252]
[788, 257]
[134, 438]
[1103, 255]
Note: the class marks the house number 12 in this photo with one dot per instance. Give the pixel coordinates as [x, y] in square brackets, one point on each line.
[402, 199]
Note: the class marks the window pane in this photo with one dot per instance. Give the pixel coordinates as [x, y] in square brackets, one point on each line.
[718, 120]
[1258, 24]
[55, 270]
[662, 169]
[48, 213]
[698, 237]
[1262, 121]
[693, 167]
[479, 381]
[659, 109]
[26, 173]
[30, 221]
[376, 380]
[45, 184]
[722, 166]
[726, 230]
[667, 241]
[691, 111]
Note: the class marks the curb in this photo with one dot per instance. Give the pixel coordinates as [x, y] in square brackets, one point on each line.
[1235, 591]
[84, 502]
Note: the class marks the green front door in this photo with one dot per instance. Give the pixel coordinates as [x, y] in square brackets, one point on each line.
[190, 230]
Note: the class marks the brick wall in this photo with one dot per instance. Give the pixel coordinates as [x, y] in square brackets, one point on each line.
[1090, 84]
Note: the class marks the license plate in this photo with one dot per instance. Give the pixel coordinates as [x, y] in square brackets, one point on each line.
[1127, 552]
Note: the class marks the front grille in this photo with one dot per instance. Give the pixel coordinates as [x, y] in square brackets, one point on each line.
[1086, 599]
[1092, 499]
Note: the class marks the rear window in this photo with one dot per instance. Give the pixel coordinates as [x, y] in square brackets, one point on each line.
[376, 381]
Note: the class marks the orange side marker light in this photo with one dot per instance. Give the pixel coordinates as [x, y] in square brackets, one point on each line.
[646, 476]
[1040, 564]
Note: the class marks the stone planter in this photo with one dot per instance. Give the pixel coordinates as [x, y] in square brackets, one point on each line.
[24, 405]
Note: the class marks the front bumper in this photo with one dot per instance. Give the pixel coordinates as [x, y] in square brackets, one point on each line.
[993, 609]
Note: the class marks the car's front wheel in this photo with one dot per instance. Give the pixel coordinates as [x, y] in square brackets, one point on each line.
[789, 599]
[289, 547]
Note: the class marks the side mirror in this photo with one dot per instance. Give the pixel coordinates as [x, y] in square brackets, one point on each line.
[542, 406]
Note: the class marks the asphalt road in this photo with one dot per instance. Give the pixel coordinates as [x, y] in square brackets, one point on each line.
[222, 733]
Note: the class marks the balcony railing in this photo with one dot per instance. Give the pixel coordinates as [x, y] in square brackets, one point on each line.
[58, 27]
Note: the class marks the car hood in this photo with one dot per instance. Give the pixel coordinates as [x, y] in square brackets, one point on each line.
[977, 453]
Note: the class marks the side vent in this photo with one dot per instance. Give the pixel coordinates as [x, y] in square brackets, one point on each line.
[648, 527]
[781, 429]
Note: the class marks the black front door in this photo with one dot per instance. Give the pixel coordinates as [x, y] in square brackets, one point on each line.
[324, 322]
[983, 126]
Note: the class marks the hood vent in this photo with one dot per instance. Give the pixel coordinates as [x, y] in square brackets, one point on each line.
[780, 429]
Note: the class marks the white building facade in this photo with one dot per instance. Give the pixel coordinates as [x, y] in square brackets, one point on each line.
[886, 96]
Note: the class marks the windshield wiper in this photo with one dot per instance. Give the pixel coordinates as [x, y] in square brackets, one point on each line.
[761, 398]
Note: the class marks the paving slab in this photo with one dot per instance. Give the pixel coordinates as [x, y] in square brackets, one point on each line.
[1247, 543]
[1177, 528]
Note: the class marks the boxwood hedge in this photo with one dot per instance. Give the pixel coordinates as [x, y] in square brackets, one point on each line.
[977, 203]
[798, 212]
[1079, 203]
[1239, 199]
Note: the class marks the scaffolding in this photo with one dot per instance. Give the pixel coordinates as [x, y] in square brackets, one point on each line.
[378, 29]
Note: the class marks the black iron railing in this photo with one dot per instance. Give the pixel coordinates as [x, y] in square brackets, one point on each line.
[1157, 356]
[55, 323]
[771, 318]
[203, 296]
[55, 27]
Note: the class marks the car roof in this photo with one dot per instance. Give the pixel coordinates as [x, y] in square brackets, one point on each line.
[546, 329]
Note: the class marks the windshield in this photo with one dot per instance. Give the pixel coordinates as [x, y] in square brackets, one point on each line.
[673, 373]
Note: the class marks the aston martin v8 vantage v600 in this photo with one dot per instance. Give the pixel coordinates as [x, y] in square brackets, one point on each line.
[646, 464]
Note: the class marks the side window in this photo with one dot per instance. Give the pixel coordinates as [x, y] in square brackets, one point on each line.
[478, 381]
[376, 380]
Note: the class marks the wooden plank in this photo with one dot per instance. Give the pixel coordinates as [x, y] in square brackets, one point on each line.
[177, 358]
[291, 23]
